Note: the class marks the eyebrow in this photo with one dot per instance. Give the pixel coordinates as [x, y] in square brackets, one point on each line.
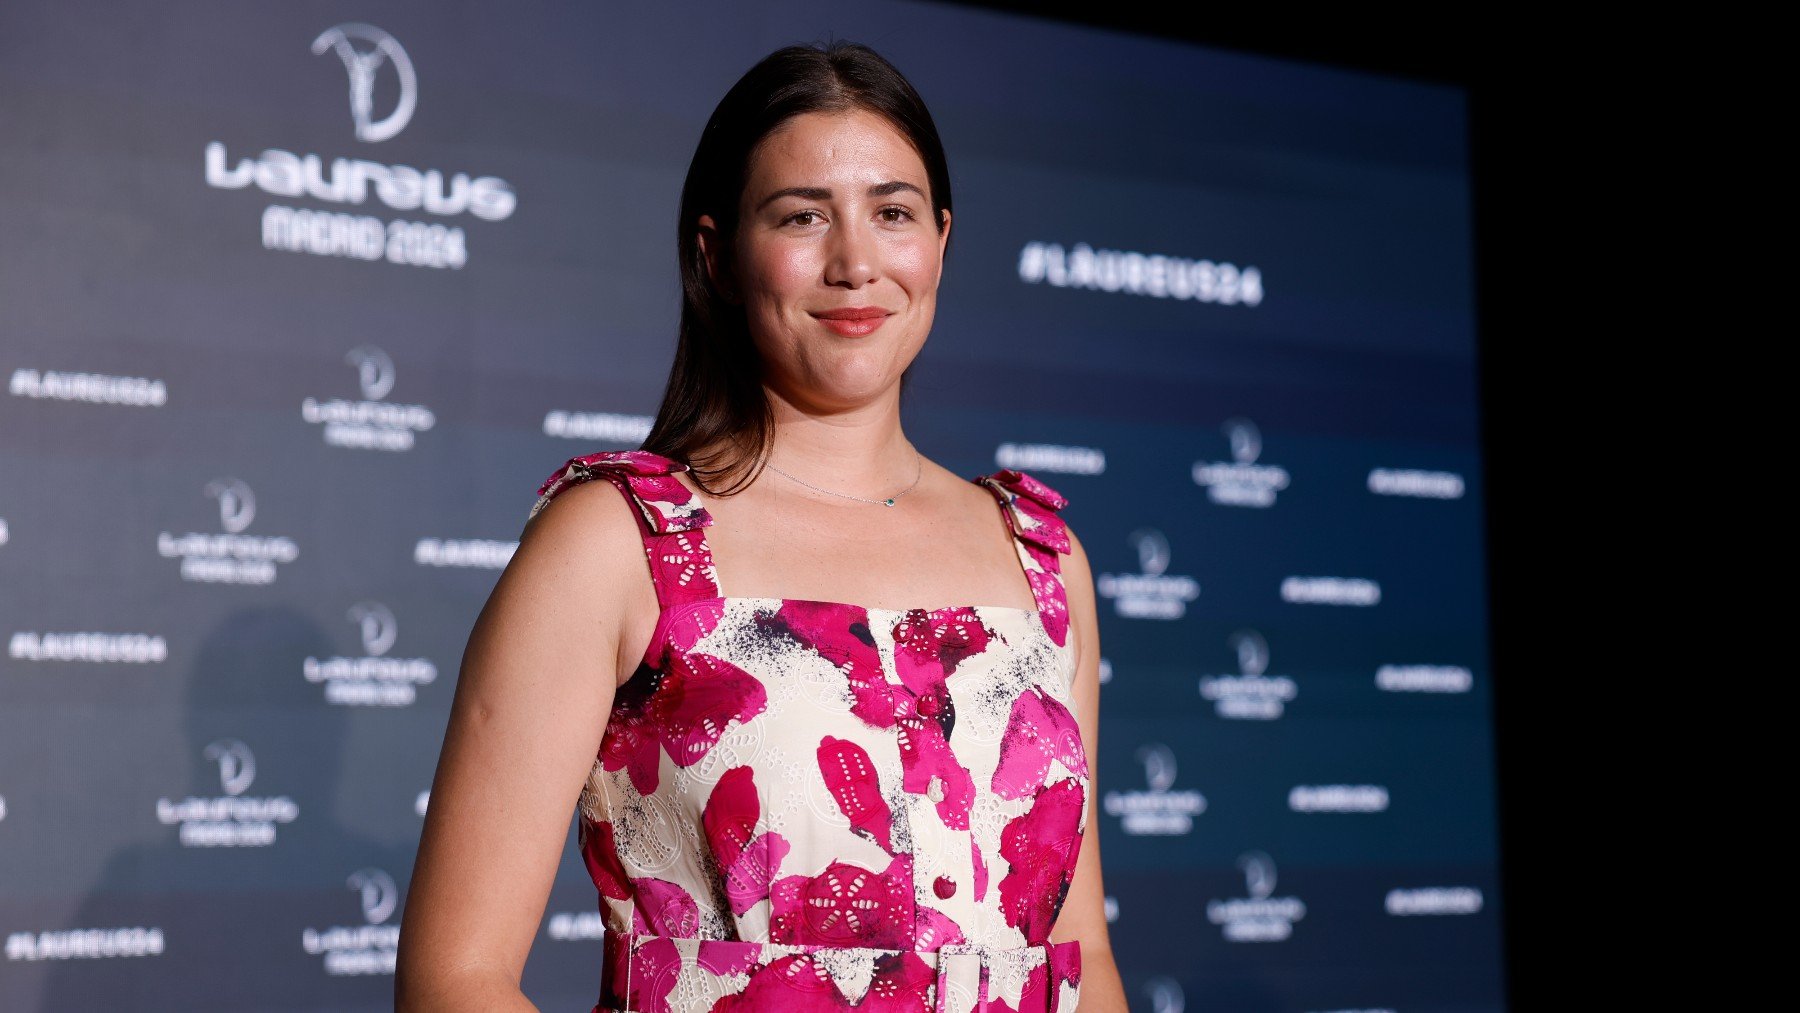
[887, 189]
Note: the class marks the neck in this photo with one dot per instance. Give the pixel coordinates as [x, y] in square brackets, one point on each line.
[861, 451]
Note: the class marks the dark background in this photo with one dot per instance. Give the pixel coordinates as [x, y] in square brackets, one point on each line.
[1550, 151]
[1604, 180]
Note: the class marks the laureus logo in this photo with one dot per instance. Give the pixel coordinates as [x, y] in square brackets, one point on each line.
[1252, 652]
[369, 948]
[1159, 767]
[1259, 916]
[379, 894]
[372, 680]
[1152, 592]
[384, 93]
[374, 371]
[363, 65]
[377, 626]
[237, 504]
[1251, 694]
[1165, 995]
[228, 556]
[231, 819]
[1152, 550]
[371, 423]
[1259, 874]
[1159, 811]
[237, 765]
[1241, 481]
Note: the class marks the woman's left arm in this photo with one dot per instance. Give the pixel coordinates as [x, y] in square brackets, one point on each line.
[1083, 914]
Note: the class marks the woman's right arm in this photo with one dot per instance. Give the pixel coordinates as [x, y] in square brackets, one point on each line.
[531, 703]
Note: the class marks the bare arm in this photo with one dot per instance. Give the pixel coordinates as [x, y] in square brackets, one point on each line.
[531, 704]
[1083, 914]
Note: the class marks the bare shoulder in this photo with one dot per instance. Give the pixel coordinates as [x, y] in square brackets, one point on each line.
[574, 573]
[586, 527]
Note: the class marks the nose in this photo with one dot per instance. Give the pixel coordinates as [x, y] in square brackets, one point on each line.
[851, 257]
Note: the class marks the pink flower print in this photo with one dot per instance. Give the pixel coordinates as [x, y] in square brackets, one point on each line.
[601, 853]
[650, 971]
[928, 764]
[933, 928]
[840, 634]
[690, 624]
[794, 984]
[631, 741]
[664, 503]
[799, 984]
[1041, 846]
[699, 698]
[747, 860]
[1028, 486]
[902, 984]
[663, 489]
[850, 776]
[664, 909]
[1052, 603]
[1042, 988]
[731, 815]
[929, 645]
[846, 905]
[1037, 521]
[630, 462]
[682, 710]
[981, 873]
[747, 881]
[724, 957]
[1040, 730]
[681, 561]
[1033, 997]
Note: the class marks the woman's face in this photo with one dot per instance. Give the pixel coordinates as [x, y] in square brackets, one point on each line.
[835, 216]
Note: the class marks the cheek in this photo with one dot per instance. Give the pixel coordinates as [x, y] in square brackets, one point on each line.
[779, 271]
[914, 264]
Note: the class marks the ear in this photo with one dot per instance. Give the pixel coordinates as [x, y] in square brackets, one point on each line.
[943, 243]
[717, 263]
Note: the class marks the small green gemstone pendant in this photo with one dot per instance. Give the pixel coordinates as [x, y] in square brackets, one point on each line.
[889, 502]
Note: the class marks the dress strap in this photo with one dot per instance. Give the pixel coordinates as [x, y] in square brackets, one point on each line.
[1041, 537]
[670, 517]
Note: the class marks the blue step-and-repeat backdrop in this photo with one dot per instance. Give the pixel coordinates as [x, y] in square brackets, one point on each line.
[300, 302]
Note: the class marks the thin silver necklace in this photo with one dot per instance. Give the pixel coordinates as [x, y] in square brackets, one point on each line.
[884, 502]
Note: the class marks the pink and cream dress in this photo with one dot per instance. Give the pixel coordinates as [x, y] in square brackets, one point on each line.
[813, 805]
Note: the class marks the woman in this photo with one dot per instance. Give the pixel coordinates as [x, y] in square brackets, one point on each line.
[785, 798]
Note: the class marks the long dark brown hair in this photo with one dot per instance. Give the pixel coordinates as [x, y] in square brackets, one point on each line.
[715, 396]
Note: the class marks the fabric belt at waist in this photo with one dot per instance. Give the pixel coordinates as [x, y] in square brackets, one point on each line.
[644, 973]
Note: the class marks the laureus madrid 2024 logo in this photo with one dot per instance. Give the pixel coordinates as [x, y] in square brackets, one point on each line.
[383, 96]
[363, 66]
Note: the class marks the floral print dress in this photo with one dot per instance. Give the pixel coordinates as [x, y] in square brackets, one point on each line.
[813, 805]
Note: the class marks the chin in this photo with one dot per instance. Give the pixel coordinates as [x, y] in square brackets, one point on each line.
[853, 386]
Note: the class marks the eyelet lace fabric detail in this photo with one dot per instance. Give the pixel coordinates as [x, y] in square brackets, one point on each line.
[814, 805]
